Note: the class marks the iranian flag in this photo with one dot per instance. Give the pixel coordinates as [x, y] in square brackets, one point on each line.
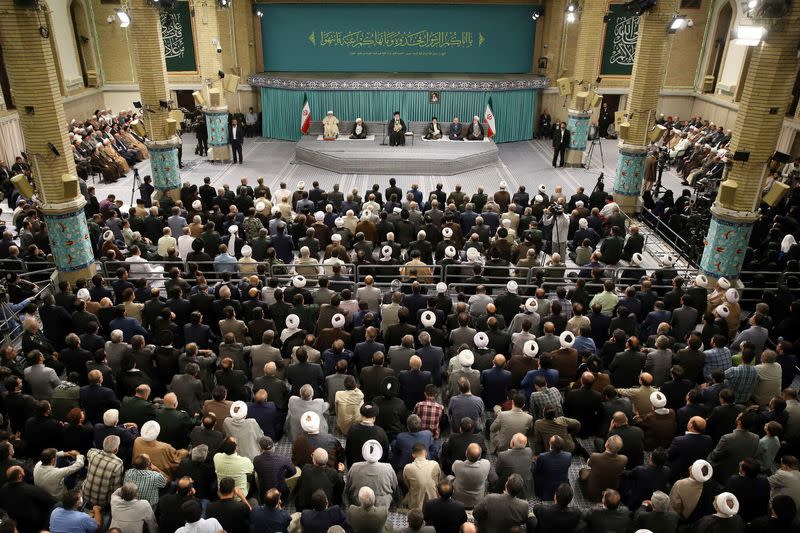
[488, 119]
[305, 116]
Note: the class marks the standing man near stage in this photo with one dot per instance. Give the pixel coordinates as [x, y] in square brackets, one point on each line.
[236, 140]
[456, 131]
[396, 130]
[560, 143]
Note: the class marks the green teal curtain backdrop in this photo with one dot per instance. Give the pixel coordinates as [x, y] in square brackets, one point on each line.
[376, 37]
[513, 110]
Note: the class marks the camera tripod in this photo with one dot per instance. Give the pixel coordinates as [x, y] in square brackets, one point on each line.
[590, 153]
[135, 184]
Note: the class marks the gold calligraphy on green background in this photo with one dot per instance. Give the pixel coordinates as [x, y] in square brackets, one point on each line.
[424, 39]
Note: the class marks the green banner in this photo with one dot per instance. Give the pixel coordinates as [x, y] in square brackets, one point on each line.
[472, 38]
[619, 46]
[176, 31]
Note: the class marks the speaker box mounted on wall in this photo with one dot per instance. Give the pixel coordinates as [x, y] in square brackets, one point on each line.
[581, 99]
[564, 86]
[70, 186]
[198, 98]
[22, 185]
[727, 193]
[656, 133]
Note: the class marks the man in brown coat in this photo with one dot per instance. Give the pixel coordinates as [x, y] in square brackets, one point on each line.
[603, 471]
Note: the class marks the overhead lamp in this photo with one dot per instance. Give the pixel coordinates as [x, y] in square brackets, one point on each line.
[223, 3]
[260, 14]
[123, 17]
[678, 23]
[571, 8]
[536, 13]
[752, 4]
[570, 18]
[749, 35]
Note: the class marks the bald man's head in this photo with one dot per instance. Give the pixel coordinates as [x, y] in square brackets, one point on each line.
[499, 361]
[473, 452]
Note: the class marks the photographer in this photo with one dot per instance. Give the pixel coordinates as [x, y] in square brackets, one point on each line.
[554, 216]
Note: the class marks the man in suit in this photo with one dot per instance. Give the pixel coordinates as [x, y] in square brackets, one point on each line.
[372, 376]
[303, 373]
[506, 511]
[585, 405]
[495, 383]
[684, 318]
[688, 448]
[444, 513]
[558, 516]
[516, 460]
[188, 389]
[611, 516]
[236, 140]
[561, 138]
[551, 469]
[626, 366]
[632, 439]
[509, 423]
[734, 447]
[95, 399]
[456, 131]
[413, 382]
[603, 471]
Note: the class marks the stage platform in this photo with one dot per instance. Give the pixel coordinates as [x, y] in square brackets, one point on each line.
[436, 158]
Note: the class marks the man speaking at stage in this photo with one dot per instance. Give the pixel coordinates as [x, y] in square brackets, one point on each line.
[397, 130]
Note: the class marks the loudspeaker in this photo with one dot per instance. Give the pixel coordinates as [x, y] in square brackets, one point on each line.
[739, 155]
[782, 158]
[619, 118]
[198, 98]
[727, 193]
[214, 98]
[623, 129]
[22, 185]
[230, 83]
[656, 133]
[581, 99]
[170, 127]
[70, 185]
[138, 127]
[564, 86]
[597, 100]
[775, 194]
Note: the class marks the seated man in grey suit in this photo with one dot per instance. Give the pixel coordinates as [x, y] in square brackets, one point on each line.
[516, 460]
[456, 131]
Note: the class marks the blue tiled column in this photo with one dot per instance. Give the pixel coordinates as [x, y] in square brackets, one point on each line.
[578, 126]
[164, 165]
[725, 245]
[630, 170]
[69, 239]
[217, 125]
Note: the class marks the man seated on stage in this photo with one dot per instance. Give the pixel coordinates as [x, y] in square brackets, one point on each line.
[433, 131]
[475, 132]
[359, 129]
[396, 130]
[330, 126]
[456, 131]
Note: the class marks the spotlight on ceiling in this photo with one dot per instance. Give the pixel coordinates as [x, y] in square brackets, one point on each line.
[123, 17]
[749, 35]
[536, 13]
[570, 17]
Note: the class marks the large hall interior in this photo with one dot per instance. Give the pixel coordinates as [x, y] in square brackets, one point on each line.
[421, 265]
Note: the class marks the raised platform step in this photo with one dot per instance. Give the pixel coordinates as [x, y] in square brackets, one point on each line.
[421, 157]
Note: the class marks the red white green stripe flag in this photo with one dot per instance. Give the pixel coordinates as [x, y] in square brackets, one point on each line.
[488, 119]
[305, 116]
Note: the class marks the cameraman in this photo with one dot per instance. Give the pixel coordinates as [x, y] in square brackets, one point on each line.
[555, 216]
